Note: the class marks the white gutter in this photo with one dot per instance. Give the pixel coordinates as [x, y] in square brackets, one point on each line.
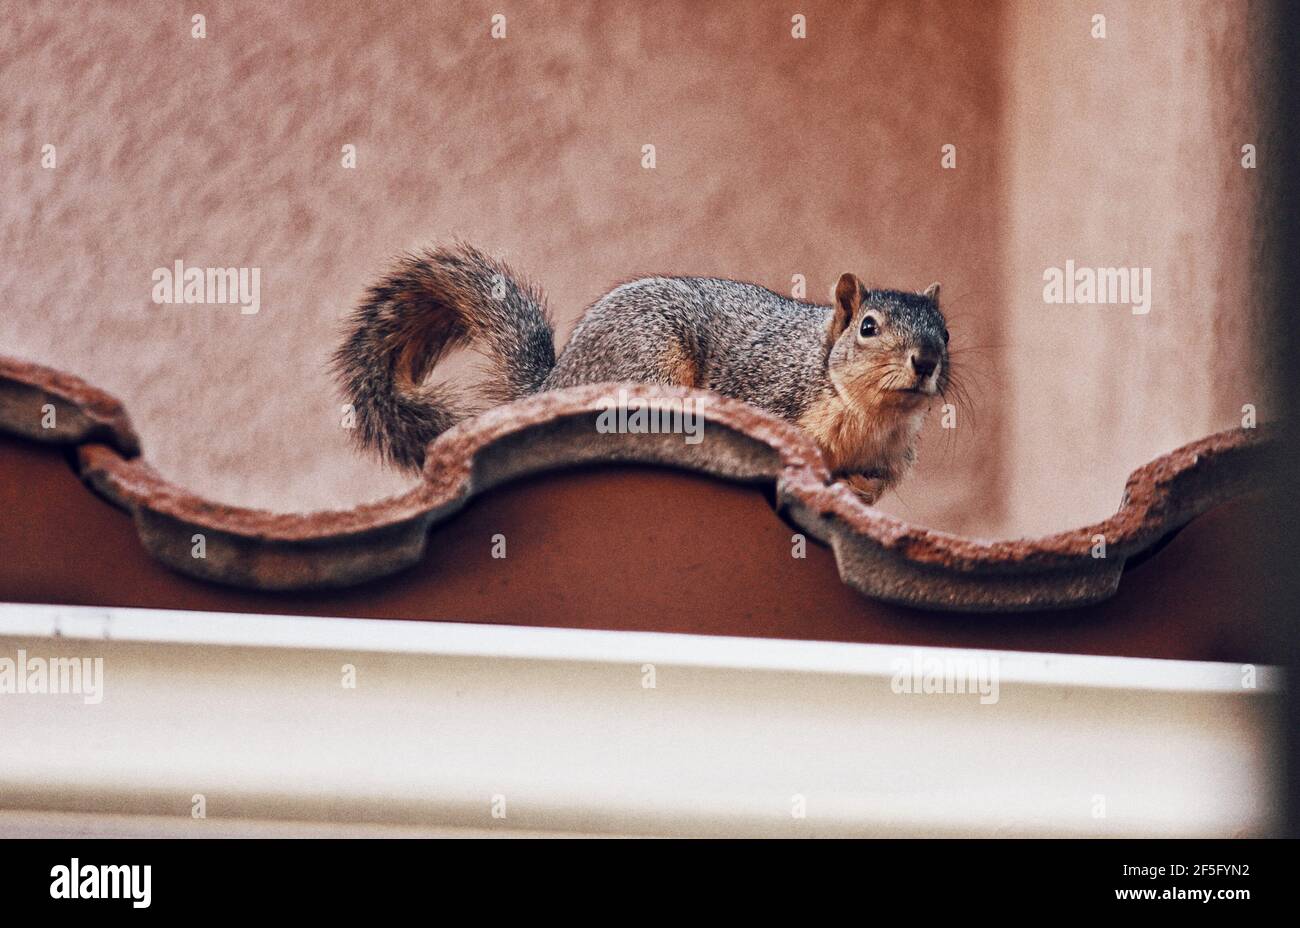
[459, 728]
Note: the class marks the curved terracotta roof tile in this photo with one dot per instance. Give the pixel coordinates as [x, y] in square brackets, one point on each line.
[892, 560]
[877, 554]
[81, 413]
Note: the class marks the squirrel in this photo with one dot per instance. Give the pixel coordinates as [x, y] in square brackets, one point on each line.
[856, 375]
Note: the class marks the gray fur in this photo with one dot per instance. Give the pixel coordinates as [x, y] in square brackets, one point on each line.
[735, 331]
[462, 295]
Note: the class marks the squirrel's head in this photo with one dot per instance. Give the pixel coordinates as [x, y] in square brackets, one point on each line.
[887, 347]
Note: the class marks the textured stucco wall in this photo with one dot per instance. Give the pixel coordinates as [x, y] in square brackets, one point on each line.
[775, 157]
[1126, 151]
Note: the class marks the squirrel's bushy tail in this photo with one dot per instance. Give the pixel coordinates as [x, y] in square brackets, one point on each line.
[428, 304]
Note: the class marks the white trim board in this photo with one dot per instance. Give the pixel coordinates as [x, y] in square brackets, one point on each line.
[529, 643]
[737, 735]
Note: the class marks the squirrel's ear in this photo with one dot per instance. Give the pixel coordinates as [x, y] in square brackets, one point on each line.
[932, 292]
[848, 297]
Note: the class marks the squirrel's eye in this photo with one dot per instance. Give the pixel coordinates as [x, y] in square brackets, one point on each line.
[869, 328]
[945, 336]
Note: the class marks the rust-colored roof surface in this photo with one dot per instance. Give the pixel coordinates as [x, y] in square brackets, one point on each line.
[875, 554]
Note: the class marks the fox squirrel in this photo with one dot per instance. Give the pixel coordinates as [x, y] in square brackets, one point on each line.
[857, 375]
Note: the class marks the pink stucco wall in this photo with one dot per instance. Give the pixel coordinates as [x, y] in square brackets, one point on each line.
[775, 157]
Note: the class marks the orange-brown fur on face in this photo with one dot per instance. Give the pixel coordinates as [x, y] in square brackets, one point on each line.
[871, 434]
[868, 417]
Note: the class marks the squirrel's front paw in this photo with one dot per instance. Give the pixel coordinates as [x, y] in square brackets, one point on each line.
[867, 489]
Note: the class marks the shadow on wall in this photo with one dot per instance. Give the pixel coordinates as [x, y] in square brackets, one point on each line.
[775, 156]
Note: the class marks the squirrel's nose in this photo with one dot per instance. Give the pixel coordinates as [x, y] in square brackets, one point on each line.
[924, 365]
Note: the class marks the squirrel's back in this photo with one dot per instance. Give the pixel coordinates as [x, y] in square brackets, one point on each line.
[735, 338]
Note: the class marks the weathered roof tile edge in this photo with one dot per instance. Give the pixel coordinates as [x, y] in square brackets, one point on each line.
[878, 555]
